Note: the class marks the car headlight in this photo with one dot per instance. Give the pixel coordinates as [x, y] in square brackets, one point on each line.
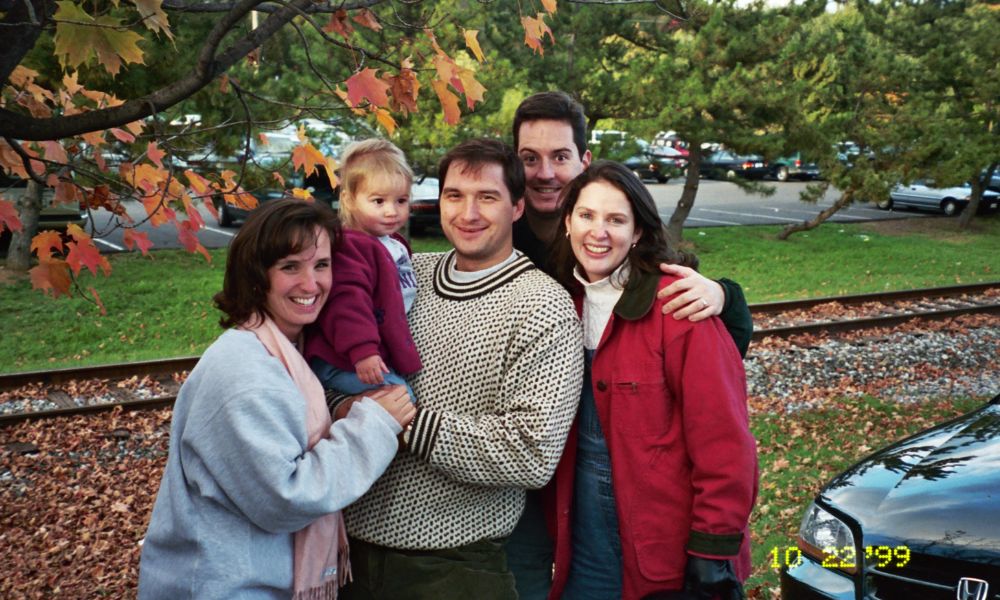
[827, 540]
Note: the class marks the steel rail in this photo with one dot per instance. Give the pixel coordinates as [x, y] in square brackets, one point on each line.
[884, 297]
[873, 322]
[166, 366]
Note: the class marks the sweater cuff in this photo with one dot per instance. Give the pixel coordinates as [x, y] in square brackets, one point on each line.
[714, 544]
[423, 434]
[334, 398]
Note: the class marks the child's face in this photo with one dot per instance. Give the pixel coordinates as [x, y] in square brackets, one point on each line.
[382, 205]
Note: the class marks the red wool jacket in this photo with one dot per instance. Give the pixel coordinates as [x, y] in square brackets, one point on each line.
[671, 399]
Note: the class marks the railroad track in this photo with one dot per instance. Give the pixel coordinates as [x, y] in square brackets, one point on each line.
[782, 319]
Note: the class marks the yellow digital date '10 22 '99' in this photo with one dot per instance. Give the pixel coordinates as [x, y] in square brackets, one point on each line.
[843, 557]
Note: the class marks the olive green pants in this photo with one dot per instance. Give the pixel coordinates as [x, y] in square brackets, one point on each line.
[475, 571]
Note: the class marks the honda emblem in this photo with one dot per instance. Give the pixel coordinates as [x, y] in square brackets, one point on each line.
[970, 588]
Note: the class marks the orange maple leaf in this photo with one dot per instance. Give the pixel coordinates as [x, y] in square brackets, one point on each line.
[366, 85]
[8, 216]
[199, 185]
[339, 24]
[366, 18]
[157, 209]
[51, 276]
[446, 67]
[277, 177]
[155, 154]
[549, 6]
[137, 239]
[302, 194]
[45, 242]
[449, 102]
[473, 89]
[535, 31]
[306, 157]
[472, 43]
[385, 119]
[263, 139]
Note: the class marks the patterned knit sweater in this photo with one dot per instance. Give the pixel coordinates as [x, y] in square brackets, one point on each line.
[503, 366]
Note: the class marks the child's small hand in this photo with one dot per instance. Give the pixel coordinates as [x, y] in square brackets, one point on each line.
[370, 370]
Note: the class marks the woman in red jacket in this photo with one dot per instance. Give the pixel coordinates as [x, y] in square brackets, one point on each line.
[655, 488]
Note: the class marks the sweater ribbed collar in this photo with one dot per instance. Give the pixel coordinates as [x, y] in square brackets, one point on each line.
[447, 287]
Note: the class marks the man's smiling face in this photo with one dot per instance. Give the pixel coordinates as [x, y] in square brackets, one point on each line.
[551, 160]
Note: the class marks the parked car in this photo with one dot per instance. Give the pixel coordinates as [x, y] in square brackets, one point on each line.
[950, 201]
[919, 519]
[725, 164]
[425, 205]
[794, 167]
[648, 167]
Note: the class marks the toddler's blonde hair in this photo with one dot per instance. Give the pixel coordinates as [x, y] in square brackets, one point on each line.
[363, 162]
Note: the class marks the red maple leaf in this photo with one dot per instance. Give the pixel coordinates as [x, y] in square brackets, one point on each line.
[155, 154]
[133, 239]
[339, 24]
[84, 253]
[187, 237]
[366, 85]
[8, 216]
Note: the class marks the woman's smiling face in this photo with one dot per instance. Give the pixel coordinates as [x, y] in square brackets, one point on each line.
[601, 229]
[299, 286]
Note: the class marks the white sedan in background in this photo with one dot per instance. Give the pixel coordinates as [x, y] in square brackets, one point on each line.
[950, 201]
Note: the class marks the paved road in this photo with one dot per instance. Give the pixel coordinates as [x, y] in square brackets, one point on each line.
[718, 203]
[722, 203]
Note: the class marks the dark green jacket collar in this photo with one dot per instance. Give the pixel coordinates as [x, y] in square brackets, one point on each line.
[639, 295]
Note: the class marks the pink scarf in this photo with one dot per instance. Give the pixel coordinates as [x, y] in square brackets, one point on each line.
[321, 561]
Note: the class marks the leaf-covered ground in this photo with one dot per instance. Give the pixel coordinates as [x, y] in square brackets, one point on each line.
[76, 494]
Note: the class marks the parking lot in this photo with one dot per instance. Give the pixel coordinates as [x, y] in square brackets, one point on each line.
[722, 203]
[718, 203]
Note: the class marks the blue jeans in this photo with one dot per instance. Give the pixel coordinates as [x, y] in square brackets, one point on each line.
[595, 572]
[347, 382]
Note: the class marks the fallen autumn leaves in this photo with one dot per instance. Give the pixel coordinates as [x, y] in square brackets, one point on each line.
[76, 494]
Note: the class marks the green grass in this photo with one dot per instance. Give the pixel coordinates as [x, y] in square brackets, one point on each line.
[798, 453]
[162, 307]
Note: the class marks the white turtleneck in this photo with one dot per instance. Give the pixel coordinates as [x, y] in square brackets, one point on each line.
[599, 300]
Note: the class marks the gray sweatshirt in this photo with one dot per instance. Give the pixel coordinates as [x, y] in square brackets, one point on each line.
[239, 480]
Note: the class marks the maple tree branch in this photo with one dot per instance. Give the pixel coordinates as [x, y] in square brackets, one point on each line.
[25, 160]
[210, 64]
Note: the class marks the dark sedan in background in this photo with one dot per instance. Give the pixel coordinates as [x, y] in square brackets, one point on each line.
[724, 164]
[918, 520]
[648, 167]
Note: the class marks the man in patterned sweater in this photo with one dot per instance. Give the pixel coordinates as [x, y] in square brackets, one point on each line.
[501, 349]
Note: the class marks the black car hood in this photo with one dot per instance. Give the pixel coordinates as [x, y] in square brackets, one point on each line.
[937, 492]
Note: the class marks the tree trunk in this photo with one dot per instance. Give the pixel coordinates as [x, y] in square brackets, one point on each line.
[965, 219]
[675, 227]
[845, 198]
[29, 205]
